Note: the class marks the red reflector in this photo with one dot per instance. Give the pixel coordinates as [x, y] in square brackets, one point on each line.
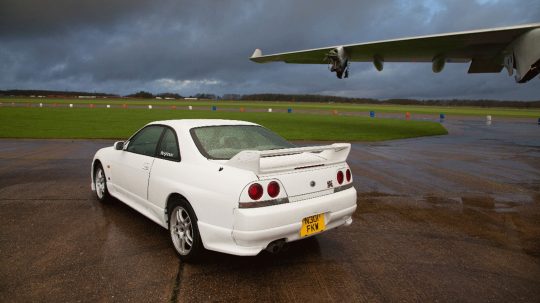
[273, 189]
[348, 175]
[340, 177]
[255, 191]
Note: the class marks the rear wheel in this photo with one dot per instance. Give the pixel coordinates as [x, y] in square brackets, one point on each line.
[184, 231]
[100, 184]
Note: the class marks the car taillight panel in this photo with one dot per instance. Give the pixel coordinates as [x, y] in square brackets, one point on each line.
[255, 191]
[348, 175]
[273, 189]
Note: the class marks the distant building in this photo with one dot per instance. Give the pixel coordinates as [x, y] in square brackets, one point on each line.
[159, 98]
[190, 98]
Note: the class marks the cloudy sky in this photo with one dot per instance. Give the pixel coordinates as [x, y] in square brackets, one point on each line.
[189, 47]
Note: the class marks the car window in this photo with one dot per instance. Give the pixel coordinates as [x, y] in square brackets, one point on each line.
[145, 141]
[223, 142]
[168, 148]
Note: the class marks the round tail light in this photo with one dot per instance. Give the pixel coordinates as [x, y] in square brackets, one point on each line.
[255, 191]
[348, 175]
[340, 177]
[273, 189]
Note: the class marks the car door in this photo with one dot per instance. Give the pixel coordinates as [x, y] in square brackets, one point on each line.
[134, 165]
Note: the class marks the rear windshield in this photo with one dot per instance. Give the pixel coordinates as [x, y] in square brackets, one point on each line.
[223, 142]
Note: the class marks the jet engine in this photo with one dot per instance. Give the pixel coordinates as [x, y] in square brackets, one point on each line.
[524, 56]
[338, 62]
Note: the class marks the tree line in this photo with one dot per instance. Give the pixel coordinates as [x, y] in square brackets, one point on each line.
[337, 99]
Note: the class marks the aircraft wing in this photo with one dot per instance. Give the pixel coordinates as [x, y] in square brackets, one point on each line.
[488, 50]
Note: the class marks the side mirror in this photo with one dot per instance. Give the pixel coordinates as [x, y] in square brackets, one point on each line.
[119, 145]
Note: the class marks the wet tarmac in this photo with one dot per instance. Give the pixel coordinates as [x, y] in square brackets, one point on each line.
[449, 218]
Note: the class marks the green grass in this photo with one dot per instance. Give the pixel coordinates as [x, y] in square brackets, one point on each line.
[120, 123]
[342, 107]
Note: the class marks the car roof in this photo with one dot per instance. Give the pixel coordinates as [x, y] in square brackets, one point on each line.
[191, 123]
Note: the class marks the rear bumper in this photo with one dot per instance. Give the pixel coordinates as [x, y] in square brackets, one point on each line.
[255, 228]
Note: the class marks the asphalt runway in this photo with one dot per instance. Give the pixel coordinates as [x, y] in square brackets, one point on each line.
[449, 218]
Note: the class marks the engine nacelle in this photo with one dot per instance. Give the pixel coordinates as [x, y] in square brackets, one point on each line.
[526, 56]
[339, 62]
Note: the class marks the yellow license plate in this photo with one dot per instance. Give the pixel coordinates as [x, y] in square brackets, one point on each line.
[312, 225]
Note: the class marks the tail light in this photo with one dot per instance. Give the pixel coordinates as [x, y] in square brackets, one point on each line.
[273, 189]
[254, 196]
[348, 175]
[255, 191]
[340, 177]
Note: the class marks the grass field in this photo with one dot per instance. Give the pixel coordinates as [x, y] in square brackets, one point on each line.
[21, 122]
[342, 107]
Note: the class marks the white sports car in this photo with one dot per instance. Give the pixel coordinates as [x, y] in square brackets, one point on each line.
[228, 186]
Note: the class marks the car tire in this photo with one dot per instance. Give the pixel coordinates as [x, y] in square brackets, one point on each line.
[184, 231]
[100, 184]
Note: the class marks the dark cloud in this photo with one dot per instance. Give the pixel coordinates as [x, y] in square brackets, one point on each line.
[31, 18]
[122, 46]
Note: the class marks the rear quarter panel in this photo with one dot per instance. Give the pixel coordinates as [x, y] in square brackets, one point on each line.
[212, 190]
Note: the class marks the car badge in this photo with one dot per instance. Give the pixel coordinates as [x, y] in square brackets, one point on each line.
[329, 184]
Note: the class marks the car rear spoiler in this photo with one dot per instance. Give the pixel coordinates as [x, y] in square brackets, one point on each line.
[251, 159]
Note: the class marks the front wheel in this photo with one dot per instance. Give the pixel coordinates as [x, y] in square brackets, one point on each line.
[184, 231]
[100, 184]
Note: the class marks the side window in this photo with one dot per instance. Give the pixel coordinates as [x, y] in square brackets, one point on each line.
[168, 148]
[145, 141]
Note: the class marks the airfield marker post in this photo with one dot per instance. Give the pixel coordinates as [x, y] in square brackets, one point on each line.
[190, 107]
[442, 116]
[108, 106]
[407, 116]
[289, 110]
[242, 109]
[173, 107]
[149, 106]
[214, 108]
[70, 105]
[41, 105]
[334, 112]
[269, 110]
[372, 114]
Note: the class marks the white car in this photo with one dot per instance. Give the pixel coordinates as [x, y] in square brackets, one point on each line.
[228, 186]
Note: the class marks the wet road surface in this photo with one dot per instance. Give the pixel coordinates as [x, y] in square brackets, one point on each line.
[450, 218]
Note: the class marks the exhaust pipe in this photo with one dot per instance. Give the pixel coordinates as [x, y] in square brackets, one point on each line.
[275, 246]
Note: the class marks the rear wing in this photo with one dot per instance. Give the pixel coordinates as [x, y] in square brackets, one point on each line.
[251, 159]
